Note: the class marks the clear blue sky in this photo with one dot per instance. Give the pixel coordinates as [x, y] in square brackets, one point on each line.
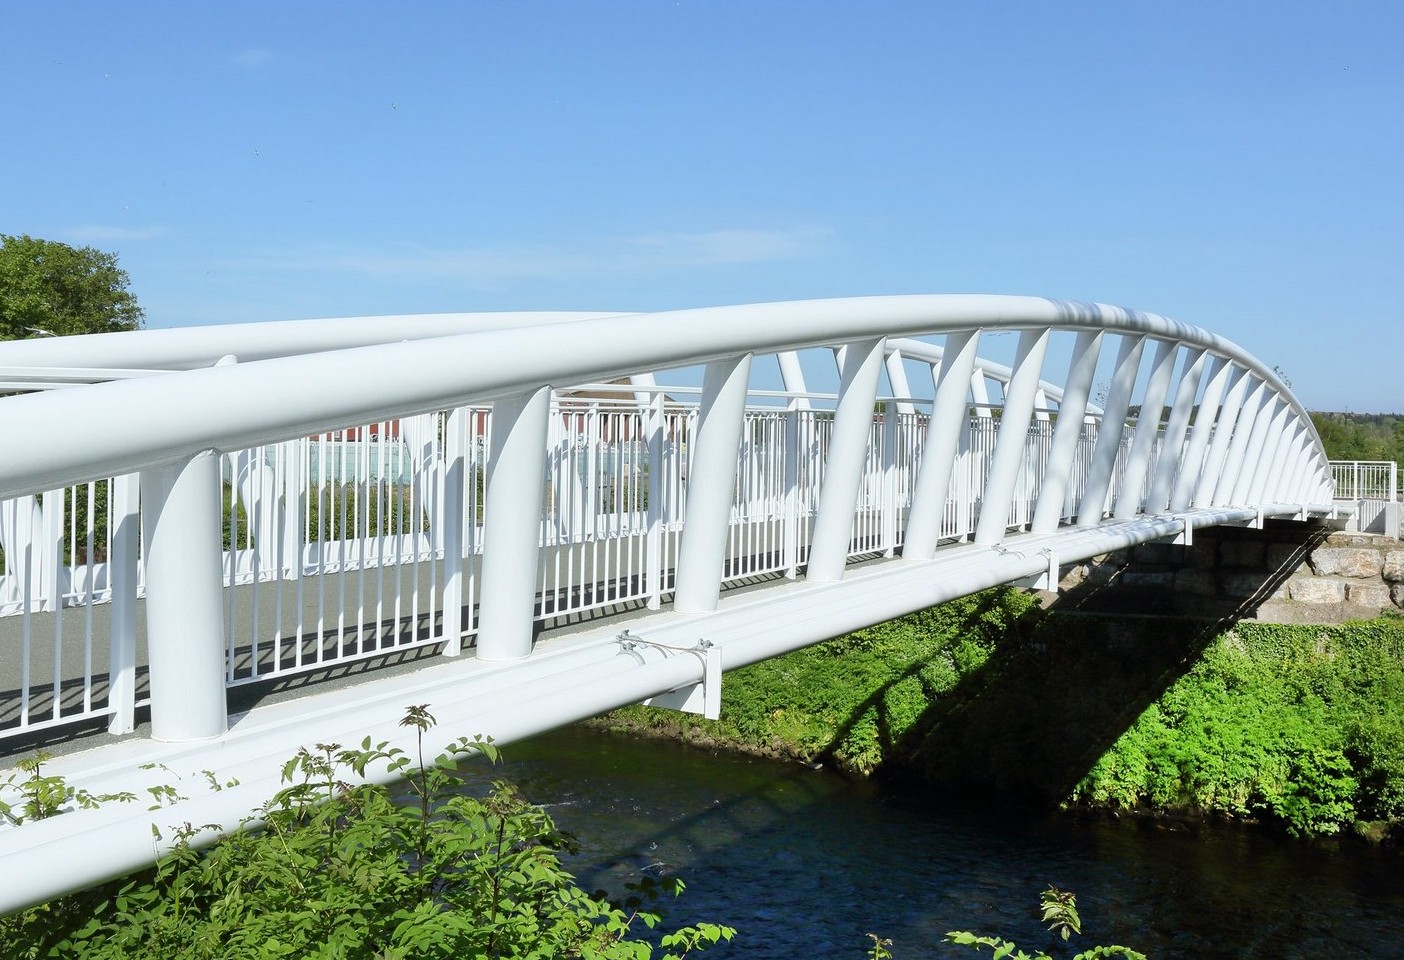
[1237, 165]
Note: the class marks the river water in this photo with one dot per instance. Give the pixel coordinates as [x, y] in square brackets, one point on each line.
[804, 863]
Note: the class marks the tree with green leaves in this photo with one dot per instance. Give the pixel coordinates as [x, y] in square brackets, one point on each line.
[49, 288]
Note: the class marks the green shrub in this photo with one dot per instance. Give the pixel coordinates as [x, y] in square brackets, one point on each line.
[345, 871]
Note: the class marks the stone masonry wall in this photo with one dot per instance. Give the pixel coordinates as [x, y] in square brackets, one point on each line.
[1284, 573]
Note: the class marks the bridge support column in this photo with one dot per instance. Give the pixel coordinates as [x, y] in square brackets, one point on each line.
[1099, 478]
[1071, 411]
[843, 470]
[711, 485]
[1013, 434]
[950, 414]
[516, 473]
[183, 546]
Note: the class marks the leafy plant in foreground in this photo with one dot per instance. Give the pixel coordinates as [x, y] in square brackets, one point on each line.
[332, 869]
[1059, 909]
[42, 795]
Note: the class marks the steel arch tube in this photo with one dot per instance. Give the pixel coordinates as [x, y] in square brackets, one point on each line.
[1071, 412]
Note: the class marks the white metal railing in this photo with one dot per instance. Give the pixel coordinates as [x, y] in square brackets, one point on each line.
[339, 543]
[1365, 479]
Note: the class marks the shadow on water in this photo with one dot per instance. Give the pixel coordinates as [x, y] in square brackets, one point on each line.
[805, 862]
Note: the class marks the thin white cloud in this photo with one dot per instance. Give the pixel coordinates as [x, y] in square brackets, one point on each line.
[103, 233]
[636, 254]
[732, 246]
[253, 58]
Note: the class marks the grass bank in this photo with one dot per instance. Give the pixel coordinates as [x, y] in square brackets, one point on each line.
[990, 697]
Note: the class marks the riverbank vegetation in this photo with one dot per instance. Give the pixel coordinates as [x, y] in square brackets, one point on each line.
[1361, 436]
[1300, 728]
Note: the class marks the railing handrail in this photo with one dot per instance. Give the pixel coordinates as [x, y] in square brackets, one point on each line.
[164, 419]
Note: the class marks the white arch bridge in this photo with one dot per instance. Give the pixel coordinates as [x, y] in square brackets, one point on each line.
[458, 484]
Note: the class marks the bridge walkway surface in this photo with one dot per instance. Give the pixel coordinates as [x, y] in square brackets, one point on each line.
[477, 499]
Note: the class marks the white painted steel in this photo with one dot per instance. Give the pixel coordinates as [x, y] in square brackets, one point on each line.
[1008, 455]
[185, 591]
[702, 554]
[844, 465]
[1069, 428]
[1200, 434]
[1113, 426]
[512, 525]
[1255, 399]
[356, 523]
[1130, 495]
[943, 433]
[348, 543]
[1365, 479]
[1224, 423]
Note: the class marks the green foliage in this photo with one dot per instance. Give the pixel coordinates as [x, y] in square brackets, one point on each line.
[880, 949]
[331, 869]
[344, 511]
[1361, 436]
[1060, 913]
[42, 796]
[1301, 726]
[49, 288]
